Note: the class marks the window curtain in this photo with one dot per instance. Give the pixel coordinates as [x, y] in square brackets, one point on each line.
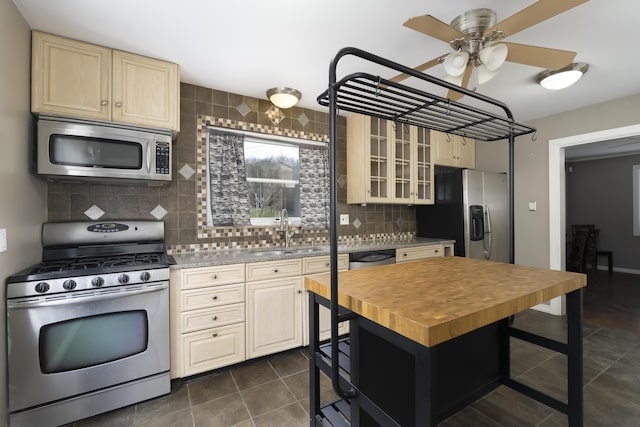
[314, 187]
[228, 193]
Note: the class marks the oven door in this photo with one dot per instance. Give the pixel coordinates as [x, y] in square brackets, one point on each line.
[65, 346]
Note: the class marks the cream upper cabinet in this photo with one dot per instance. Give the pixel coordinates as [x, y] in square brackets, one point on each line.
[388, 163]
[70, 77]
[78, 79]
[453, 150]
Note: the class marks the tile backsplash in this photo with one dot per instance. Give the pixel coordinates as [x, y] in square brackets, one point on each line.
[177, 203]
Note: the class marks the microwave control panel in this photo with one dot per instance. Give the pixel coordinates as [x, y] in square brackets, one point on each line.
[163, 158]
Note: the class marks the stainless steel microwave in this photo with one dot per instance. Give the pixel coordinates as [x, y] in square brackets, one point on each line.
[76, 150]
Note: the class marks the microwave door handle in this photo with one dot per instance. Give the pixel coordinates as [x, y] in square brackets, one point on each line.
[149, 157]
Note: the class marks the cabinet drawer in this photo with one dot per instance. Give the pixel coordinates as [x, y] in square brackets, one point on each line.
[420, 252]
[213, 348]
[274, 269]
[196, 320]
[211, 276]
[211, 297]
[320, 264]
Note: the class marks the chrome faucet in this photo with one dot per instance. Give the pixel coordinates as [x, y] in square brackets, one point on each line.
[284, 227]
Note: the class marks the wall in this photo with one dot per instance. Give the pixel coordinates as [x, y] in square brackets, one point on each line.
[532, 169]
[600, 192]
[197, 106]
[23, 196]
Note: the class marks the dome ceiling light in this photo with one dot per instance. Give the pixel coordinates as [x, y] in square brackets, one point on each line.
[283, 97]
[562, 78]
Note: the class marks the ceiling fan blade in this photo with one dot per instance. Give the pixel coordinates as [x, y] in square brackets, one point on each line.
[434, 27]
[532, 15]
[421, 68]
[536, 56]
[453, 95]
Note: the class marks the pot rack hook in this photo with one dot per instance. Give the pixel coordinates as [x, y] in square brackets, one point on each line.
[534, 136]
[378, 86]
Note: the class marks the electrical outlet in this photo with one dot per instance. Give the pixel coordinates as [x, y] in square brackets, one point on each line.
[3, 239]
[344, 219]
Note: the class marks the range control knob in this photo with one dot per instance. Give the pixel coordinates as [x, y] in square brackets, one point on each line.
[145, 276]
[123, 278]
[69, 284]
[42, 287]
[97, 282]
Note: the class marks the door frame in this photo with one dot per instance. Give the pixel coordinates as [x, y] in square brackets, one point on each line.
[557, 196]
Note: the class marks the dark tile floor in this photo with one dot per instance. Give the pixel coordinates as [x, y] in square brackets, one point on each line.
[274, 391]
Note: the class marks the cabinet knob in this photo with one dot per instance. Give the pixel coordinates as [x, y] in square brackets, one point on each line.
[299, 291]
[215, 297]
[327, 265]
[404, 254]
[103, 102]
[436, 251]
[215, 334]
[215, 276]
[215, 317]
[118, 104]
[275, 270]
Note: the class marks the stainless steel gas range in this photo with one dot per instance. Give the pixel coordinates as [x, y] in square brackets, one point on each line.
[88, 327]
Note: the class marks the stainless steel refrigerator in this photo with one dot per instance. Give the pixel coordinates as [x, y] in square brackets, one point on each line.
[470, 207]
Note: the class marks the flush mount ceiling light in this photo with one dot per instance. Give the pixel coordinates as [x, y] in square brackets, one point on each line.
[562, 78]
[283, 97]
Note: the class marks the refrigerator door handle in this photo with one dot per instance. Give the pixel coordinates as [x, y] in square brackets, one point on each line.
[486, 242]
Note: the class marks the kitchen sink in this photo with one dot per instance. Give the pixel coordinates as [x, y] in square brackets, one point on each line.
[289, 251]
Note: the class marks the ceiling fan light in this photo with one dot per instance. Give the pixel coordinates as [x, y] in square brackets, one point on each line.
[455, 63]
[485, 74]
[562, 78]
[493, 56]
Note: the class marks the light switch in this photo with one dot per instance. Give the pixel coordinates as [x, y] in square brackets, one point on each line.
[532, 206]
[344, 219]
[3, 239]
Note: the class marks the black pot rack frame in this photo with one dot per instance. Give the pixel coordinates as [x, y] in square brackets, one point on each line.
[364, 93]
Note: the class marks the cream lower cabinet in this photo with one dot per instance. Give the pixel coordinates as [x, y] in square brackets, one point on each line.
[207, 318]
[314, 265]
[423, 252]
[274, 306]
[78, 79]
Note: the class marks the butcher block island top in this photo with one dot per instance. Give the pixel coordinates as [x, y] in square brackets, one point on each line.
[435, 300]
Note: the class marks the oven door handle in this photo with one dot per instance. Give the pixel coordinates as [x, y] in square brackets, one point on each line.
[86, 297]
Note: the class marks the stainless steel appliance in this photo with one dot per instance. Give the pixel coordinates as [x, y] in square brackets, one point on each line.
[358, 260]
[471, 207]
[81, 150]
[88, 327]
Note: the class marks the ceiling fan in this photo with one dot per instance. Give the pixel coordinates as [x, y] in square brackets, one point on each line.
[476, 37]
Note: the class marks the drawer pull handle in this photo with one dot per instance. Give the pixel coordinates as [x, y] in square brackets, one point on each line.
[275, 270]
[436, 251]
[215, 276]
[404, 254]
[326, 265]
[215, 297]
[215, 334]
[215, 317]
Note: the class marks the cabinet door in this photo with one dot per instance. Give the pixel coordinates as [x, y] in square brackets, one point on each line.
[445, 148]
[145, 91]
[423, 168]
[212, 348]
[70, 77]
[402, 163]
[466, 156]
[368, 159]
[274, 316]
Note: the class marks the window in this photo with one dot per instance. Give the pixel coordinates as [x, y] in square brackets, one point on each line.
[273, 178]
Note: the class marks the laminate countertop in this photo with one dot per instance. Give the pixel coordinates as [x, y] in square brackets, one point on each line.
[435, 300]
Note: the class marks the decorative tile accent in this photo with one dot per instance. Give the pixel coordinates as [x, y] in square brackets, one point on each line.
[186, 171]
[342, 181]
[303, 119]
[275, 115]
[357, 223]
[400, 222]
[94, 212]
[159, 212]
[243, 109]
